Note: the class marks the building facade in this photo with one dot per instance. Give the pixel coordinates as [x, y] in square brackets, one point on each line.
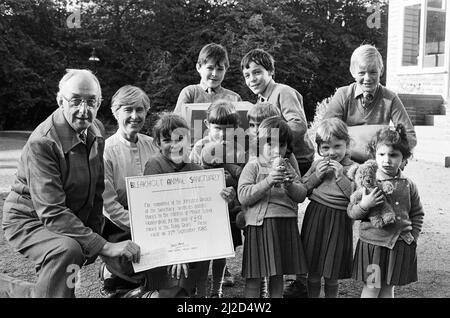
[417, 68]
[418, 57]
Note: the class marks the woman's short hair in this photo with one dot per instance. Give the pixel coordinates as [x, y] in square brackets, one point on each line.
[129, 95]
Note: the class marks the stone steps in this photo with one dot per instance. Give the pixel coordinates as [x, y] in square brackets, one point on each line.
[442, 121]
[433, 132]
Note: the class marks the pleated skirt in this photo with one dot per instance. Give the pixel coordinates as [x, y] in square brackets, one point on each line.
[274, 248]
[327, 238]
[396, 266]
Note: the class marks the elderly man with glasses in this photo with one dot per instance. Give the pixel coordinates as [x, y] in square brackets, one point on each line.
[53, 214]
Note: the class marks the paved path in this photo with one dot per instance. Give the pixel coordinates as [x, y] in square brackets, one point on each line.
[433, 256]
[11, 144]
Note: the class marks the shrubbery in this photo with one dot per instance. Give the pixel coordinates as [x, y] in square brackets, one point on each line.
[155, 44]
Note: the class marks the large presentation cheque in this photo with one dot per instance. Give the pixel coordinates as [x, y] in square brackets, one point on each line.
[179, 218]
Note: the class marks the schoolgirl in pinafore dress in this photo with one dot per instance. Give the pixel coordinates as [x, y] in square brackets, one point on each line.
[386, 257]
[326, 229]
[272, 246]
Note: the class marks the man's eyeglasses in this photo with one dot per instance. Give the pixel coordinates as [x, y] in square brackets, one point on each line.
[91, 103]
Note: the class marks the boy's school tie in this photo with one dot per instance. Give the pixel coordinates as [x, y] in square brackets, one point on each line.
[367, 99]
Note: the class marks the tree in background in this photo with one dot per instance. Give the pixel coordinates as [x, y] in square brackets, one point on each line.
[30, 62]
[154, 44]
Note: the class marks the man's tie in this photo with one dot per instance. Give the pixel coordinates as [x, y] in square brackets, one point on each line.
[82, 137]
[261, 99]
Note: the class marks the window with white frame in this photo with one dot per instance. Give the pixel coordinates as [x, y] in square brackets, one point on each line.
[424, 33]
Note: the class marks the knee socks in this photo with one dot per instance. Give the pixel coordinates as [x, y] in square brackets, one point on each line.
[218, 269]
[276, 286]
[331, 288]
[387, 291]
[314, 285]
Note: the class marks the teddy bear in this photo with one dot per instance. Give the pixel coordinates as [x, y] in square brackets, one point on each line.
[364, 176]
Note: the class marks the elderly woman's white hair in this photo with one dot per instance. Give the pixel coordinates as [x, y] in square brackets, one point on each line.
[71, 72]
[129, 95]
